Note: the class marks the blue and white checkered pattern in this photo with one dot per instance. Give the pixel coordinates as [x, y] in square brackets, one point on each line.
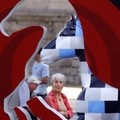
[97, 101]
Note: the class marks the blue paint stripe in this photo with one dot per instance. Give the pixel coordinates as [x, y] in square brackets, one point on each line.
[119, 116]
[67, 53]
[78, 31]
[89, 71]
[96, 107]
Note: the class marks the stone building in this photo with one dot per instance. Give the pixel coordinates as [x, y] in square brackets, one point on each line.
[52, 14]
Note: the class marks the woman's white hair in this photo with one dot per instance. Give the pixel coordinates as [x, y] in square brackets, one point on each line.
[58, 76]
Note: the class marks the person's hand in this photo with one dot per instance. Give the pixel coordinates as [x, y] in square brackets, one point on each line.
[44, 80]
[64, 113]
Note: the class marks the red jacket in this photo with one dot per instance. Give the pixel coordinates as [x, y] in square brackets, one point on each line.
[52, 101]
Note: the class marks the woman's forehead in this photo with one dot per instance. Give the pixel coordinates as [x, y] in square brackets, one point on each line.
[58, 80]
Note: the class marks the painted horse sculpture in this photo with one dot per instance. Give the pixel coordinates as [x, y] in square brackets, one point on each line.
[98, 100]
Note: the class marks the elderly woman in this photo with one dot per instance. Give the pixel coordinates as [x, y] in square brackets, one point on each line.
[56, 98]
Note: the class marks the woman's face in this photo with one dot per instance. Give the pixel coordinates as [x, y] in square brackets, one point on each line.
[57, 85]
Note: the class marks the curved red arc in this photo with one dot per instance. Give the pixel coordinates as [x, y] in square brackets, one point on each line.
[107, 33]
